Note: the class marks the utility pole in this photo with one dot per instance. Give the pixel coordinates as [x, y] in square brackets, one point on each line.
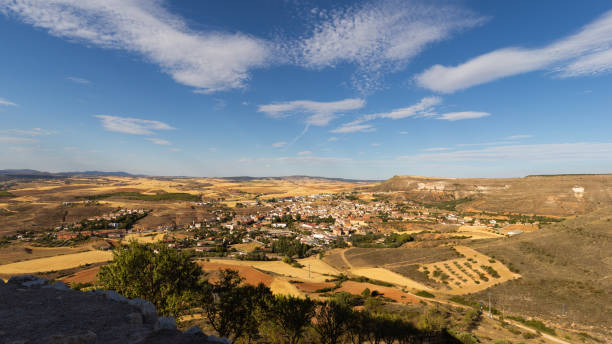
[308, 271]
[563, 313]
[490, 315]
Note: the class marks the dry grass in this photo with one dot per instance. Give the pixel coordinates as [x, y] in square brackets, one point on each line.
[248, 247]
[21, 252]
[277, 268]
[144, 238]
[568, 263]
[388, 276]
[318, 266]
[63, 262]
[282, 286]
[396, 295]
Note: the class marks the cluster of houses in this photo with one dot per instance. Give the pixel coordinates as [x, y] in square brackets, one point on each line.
[316, 220]
[112, 222]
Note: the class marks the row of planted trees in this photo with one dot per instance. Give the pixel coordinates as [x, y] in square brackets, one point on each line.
[252, 314]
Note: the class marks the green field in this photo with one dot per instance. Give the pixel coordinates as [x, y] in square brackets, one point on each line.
[4, 193]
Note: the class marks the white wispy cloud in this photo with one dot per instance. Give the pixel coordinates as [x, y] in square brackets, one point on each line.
[307, 159]
[436, 149]
[353, 127]
[279, 144]
[17, 140]
[333, 138]
[375, 144]
[5, 102]
[129, 125]
[159, 141]
[587, 52]
[317, 113]
[207, 61]
[423, 108]
[426, 107]
[457, 116]
[379, 35]
[519, 137]
[28, 132]
[580, 151]
[78, 80]
[305, 153]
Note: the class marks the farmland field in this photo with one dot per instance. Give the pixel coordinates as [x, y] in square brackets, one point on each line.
[61, 262]
[471, 274]
[277, 268]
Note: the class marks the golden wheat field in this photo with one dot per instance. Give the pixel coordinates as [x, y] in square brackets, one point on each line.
[66, 261]
[388, 276]
[278, 268]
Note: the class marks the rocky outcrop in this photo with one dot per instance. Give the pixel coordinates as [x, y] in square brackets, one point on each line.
[35, 311]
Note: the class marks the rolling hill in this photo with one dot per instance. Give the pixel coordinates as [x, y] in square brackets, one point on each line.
[561, 195]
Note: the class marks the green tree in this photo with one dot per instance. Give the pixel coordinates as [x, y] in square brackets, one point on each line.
[232, 308]
[360, 328]
[164, 276]
[332, 321]
[290, 317]
[432, 320]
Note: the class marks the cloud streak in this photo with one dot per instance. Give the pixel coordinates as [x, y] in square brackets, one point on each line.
[161, 142]
[78, 80]
[580, 151]
[5, 102]
[587, 52]
[317, 113]
[134, 126]
[206, 61]
[457, 116]
[426, 107]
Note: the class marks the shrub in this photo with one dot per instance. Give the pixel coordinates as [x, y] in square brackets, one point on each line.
[467, 338]
[424, 293]
[529, 335]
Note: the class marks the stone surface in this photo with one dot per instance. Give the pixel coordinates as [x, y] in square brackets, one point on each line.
[134, 318]
[59, 285]
[30, 315]
[215, 339]
[194, 330]
[113, 295]
[165, 323]
[147, 309]
[89, 336]
[28, 280]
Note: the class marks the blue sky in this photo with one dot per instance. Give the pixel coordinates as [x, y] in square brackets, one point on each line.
[270, 88]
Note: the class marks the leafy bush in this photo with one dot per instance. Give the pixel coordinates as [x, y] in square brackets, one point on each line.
[156, 273]
[424, 293]
[535, 324]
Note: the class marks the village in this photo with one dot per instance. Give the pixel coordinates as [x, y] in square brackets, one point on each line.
[249, 229]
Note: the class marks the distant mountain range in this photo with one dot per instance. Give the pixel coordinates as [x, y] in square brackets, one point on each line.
[26, 173]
